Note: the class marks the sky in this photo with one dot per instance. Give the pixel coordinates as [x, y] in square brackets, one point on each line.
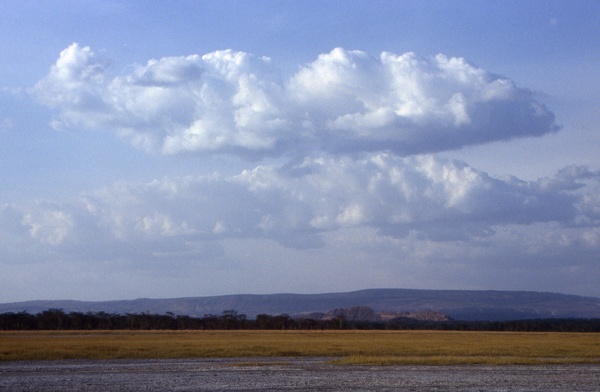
[194, 148]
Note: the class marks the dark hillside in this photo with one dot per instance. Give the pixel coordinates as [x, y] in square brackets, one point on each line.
[457, 304]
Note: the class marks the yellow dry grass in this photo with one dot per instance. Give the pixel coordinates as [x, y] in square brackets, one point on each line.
[344, 347]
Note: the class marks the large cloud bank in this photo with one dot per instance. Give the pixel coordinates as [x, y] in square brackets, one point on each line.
[344, 101]
[423, 197]
[320, 225]
[340, 178]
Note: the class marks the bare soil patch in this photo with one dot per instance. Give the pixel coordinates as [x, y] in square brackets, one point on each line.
[286, 374]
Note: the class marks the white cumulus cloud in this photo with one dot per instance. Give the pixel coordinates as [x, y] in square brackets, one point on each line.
[49, 225]
[344, 101]
[424, 197]
[408, 219]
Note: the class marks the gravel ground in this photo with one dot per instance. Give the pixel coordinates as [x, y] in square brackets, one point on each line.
[286, 374]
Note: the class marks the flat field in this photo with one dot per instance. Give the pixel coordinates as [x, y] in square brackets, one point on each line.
[304, 374]
[341, 347]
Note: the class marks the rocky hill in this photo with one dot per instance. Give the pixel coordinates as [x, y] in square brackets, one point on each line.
[456, 304]
[366, 313]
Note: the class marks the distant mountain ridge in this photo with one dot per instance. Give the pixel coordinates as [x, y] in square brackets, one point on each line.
[457, 304]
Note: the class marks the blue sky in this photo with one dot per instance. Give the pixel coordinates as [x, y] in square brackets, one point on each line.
[167, 149]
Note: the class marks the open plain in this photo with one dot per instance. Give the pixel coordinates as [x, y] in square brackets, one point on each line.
[298, 361]
[351, 347]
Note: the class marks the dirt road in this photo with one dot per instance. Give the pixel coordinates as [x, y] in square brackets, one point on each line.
[286, 374]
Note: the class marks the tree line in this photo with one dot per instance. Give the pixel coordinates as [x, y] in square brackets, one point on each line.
[57, 319]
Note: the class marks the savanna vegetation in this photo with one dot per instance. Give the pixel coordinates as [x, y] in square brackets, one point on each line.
[54, 334]
[340, 347]
[56, 319]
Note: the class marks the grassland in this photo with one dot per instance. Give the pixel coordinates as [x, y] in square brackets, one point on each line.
[344, 347]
